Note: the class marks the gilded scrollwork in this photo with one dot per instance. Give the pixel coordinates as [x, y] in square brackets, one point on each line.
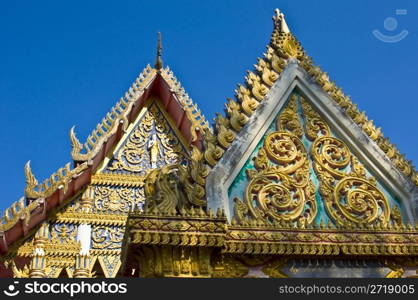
[63, 233]
[112, 199]
[105, 237]
[348, 194]
[314, 125]
[280, 191]
[151, 144]
[332, 155]
[280, 187]
[289, 120]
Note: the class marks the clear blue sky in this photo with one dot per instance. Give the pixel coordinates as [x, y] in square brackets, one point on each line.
[65, 63]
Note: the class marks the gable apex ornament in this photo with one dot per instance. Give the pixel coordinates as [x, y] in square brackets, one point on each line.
[158, 61]
[280, 21]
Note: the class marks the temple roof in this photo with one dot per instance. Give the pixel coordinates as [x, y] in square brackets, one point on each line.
[67, 182]
[42, 198]
[283, 48]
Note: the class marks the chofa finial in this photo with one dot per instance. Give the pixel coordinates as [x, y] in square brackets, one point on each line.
[280, 21]
[158, 60]
[30, 178]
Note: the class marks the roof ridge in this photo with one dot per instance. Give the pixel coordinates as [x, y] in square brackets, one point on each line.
[109, 123]
[84, 153]
[284, 46]
[191, 108]
[119, 112]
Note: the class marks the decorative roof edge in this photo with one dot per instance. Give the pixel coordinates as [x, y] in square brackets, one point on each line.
[119, 113]
[193, 112]
[109, 124]
[196, 227]
[58, 180]
[282, 47]
[84, 153]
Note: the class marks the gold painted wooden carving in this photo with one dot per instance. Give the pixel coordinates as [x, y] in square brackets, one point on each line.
[151, 145]
[349, 195]
[280, 187]
[174, 261]
[105, 237]
[283, 47]
[113, 199]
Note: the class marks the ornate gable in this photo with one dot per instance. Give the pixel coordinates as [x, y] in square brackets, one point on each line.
[285, 69]
[152, 142]
[302, 172]
[153, 128]
[293, 181]
[306, 182]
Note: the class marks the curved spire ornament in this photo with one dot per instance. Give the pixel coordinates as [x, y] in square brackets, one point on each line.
[31, 180]
[75, 143]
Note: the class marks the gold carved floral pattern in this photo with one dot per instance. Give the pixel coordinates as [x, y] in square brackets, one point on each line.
[151, 144]
[112, 199]
[280, 187]
[105, 237]
[63, 233]
[350, 196]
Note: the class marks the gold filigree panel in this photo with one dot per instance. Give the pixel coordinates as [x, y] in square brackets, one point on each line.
[152, 143]
[63, 233]
[281, 176]
[106, 237]
[349, 194]
[117, 199]
[280, 187]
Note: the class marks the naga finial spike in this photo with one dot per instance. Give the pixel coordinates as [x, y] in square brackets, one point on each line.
[158, 60]
[30, 178]
[75, 143]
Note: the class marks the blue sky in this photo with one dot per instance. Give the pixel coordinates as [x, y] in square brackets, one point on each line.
[65, 63]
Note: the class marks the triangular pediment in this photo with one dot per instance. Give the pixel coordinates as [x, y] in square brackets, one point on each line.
[286, 72]
[154, 125]
[302, 171]
[300, 158]
[152, 141]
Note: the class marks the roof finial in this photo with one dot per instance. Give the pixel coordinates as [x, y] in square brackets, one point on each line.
[280, 22]
[158, 60]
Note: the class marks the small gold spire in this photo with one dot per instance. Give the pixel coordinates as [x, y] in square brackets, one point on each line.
[158, 60]
[280, 21]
